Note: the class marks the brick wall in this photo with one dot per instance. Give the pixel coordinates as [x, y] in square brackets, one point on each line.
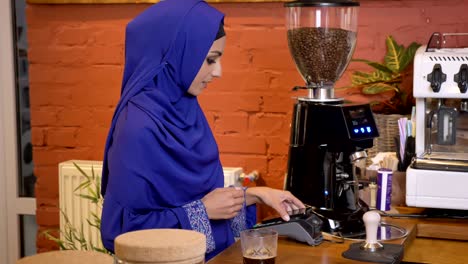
[76, 63]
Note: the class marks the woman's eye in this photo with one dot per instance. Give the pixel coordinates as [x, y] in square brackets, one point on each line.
[210, 61]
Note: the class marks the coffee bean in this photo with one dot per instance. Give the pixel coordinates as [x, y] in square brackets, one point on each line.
[321, 54]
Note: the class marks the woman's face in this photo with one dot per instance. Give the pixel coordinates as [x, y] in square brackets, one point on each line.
[210, 69]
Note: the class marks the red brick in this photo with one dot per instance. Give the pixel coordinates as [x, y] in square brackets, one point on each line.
[236, 58]
[278, 145]
[94, 137]
[74, 35]
[225, 83]
[46, 188]
[287, 80]
[259, 37]
[49, 95]
[53, 156]
[232, 160]
[40, 36]
[48, 216]
[74, 117]
[230, 102]
[37, 136]
[253, 14]
[278, 164]
[97, 154]
[102, 116]
[47, 73]
[45, 116]
[101, 96]
[267, 124]
[48, 202]
[64, 55]
[111, 36]
[277, 103]
[243, 81]
[241, 144]
[43, 243]
[271, 59]
[105, 55]
[258, 164]
[231, 123]
[62, 137]
[210, 118]
[247, 162]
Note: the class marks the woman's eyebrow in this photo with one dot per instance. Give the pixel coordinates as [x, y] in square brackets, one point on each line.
[219, 53]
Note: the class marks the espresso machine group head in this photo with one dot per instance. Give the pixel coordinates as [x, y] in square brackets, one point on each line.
[328, 136]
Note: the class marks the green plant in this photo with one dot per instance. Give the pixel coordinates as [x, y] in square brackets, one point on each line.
[73, 237]
[389, 85]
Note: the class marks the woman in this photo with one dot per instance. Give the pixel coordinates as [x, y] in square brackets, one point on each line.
[161, 164]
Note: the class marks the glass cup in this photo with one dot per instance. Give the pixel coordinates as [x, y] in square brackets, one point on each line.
[259, 246]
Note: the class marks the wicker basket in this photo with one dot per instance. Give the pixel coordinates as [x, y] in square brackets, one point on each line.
[388, 130]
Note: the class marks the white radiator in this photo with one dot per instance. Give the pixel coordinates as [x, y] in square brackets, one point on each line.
[78, 209]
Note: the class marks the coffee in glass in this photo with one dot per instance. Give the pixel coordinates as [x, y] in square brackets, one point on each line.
[259, 246]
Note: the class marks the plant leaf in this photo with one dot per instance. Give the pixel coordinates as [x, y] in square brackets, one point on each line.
[84, 184]
[394, 55]
[378, 88]
[375, 65]
[408, 55]
[360, 78]
[89, 197]
[398, 57]
[81, 171]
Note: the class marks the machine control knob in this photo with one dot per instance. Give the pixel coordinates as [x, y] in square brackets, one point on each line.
[371, 221]
[436, 78]
[462, 78]
[464, 105]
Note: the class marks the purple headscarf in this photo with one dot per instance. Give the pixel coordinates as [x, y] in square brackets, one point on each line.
[175, 158]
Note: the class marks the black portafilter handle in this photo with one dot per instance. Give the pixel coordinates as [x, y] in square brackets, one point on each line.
[371, 250]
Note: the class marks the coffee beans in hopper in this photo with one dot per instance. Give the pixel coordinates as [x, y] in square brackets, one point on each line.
[321, 54]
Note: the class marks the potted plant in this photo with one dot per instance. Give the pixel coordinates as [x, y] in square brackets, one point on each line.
[389, 90]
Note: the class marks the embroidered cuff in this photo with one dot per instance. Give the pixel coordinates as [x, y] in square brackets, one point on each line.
[199, 221]
[239, 222]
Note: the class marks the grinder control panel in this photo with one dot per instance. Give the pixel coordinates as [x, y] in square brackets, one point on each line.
[360, 122]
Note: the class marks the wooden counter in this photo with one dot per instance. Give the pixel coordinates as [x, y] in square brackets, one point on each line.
[418, 250]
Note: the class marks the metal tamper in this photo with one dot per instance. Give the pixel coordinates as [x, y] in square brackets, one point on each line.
[371, 220]
[371, 250]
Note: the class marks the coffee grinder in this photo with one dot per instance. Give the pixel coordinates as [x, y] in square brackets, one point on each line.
[328, 135]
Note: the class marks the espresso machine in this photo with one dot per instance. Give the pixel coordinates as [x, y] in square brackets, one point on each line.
[329, 136]
[438, 176]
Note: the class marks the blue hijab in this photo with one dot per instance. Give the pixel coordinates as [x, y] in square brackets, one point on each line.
[165, 47]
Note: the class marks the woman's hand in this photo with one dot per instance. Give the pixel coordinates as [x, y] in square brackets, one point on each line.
[223, 203]
[280, 200]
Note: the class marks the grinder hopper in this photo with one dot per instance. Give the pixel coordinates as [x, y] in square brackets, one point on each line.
[321, 39]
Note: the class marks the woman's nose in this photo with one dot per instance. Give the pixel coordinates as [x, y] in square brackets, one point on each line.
[217, 70]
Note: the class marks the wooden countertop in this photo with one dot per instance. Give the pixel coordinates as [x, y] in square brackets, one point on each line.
[417, 250]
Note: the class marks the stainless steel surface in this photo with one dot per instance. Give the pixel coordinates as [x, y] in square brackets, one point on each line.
[329, 100]
[385, 232]
[324, 93]
[372, 247]
[358, 155]
[441, 164]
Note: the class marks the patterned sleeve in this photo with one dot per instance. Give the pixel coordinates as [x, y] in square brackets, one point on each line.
[239, 222]
[199, 221]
